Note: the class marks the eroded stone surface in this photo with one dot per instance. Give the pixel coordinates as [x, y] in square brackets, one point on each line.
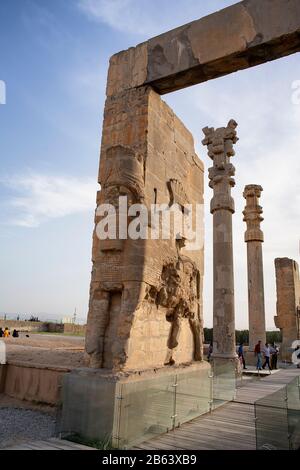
[146, 295]
[288, 303]
[220, 149]
[243, 35]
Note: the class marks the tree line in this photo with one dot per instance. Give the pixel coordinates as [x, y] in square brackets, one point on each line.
[242, 336]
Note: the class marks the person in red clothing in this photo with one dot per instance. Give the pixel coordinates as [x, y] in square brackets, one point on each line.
[258, 354]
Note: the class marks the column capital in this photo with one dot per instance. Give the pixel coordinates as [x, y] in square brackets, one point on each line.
[220, 143]
[253, 213]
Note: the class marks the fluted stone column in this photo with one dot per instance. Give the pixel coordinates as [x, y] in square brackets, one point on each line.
[254, 238]
[220, 149]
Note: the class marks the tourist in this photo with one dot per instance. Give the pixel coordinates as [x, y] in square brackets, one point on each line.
[258, 354]
[274, 356]
[6, 333]
[210, 350]
[15, 334]
[1, 333]
[267, 354]
[241, 355]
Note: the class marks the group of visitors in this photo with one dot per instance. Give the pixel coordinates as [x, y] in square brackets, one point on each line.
[270, 354]
[6, 333]
[267, 352]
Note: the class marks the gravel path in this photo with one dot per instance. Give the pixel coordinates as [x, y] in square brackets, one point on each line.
[19, 425]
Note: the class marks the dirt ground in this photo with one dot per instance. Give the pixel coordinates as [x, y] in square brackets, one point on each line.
[50, 349]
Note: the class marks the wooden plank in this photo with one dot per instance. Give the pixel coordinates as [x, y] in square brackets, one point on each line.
[19, 447]
[62, 444]
[49, 444]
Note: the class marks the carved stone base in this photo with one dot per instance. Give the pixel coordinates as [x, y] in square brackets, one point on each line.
[128, 408]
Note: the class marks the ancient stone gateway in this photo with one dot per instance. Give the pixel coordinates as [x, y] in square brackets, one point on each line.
[145, 315]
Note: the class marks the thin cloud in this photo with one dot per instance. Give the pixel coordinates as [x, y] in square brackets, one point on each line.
[46, 27]
[118, 14]
[146, 18]
[36, 198]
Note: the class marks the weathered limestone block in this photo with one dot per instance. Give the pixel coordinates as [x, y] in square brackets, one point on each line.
[254, 238]
[220, 149]
[243, 35]
[288, 303]
[146, 295]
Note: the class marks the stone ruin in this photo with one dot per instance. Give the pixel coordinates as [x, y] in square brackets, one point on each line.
[254, 238]
[288, 303]
[146, 295]
[145, 311]
[220, 143]
[148, 155]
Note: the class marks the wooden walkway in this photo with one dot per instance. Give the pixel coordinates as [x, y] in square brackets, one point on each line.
[49, 444]
[230, 427]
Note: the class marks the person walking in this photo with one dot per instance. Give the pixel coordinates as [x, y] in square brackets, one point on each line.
[1, 332]
[241, 355]
[267, 354]
[210, 350]
[274, 356]
[258, 354]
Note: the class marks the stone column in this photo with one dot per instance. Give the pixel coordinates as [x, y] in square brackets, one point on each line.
[288, 304]
[254, 238]
[220, 149]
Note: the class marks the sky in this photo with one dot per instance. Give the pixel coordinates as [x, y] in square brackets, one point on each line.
[53, 62]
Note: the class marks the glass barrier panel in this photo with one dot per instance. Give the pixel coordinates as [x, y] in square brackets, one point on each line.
[224, 382]
[146, 408]
[86, 411]
[193, 395]
[271, 421]
[293, 413]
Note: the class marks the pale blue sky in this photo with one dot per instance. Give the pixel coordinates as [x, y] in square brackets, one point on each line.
[54, 57]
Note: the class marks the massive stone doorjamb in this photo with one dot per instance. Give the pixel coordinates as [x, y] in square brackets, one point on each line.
[220, 149]
[145, 307]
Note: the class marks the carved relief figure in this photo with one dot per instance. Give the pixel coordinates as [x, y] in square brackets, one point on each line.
[121, 174]
[178, 293]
